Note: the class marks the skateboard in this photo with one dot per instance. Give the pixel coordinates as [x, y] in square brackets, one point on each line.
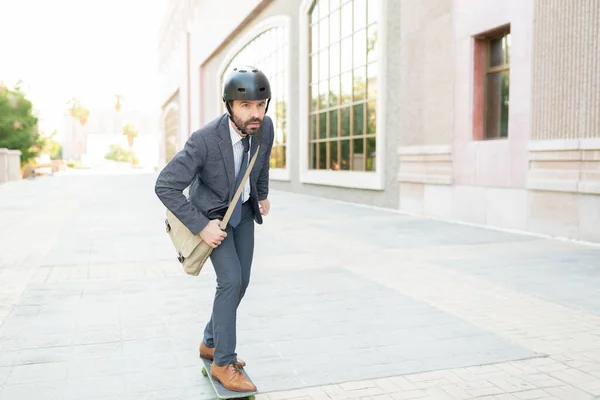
[220, 390]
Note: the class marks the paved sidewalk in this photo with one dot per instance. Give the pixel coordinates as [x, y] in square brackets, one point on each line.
[344, 302]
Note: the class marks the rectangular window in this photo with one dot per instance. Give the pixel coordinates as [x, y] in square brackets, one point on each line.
[492, 84]
[343, 65]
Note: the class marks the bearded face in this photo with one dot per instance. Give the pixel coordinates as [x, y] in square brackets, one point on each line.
[249, 114]
[249, 126]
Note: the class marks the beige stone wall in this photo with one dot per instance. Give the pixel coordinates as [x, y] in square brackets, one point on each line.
[566, 70]
[427, 68]
[564, 151]
[10, 165]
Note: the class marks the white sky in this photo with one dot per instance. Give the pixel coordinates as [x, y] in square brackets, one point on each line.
[90, 49]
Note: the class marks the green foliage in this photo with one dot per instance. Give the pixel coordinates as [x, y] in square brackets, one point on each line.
[120, 154]
[51, 147]
[18, 124]
[131, 132]
[78, 111]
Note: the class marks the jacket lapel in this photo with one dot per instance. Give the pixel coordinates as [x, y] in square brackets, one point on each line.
[226, 148]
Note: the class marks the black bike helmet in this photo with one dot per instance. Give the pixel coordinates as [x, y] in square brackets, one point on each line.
[246, 83]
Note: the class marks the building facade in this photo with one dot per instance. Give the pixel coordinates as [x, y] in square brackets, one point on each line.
[481, 111]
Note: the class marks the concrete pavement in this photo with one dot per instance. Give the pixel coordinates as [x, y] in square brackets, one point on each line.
[344, 302]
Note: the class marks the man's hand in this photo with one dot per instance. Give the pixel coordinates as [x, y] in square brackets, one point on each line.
[264, 205]
[212, 233]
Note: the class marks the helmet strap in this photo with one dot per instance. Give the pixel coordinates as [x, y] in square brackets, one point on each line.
[230, 114]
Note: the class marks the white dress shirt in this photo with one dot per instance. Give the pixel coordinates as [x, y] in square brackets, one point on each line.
[238, 150]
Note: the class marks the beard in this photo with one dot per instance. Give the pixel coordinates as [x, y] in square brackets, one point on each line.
[243, 125]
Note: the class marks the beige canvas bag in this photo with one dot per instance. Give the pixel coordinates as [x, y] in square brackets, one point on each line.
[192, 251]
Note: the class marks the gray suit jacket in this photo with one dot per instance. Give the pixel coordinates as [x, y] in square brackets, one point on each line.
[205, 164]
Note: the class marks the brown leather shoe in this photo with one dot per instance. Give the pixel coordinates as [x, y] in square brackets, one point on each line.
[232, 378]
[209, 354]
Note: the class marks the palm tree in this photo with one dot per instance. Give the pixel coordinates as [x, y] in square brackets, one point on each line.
[79, 113]
[118, 103]
[131, 132]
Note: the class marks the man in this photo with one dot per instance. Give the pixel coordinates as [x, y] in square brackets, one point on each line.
[212, 164]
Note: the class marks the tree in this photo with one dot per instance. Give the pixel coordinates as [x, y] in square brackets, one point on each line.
[131, 132]
[51, 146]
[120, 154]
[118, 103]
[78, 111]
[18, 124]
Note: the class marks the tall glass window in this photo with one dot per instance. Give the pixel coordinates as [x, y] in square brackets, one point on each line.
[343, 84]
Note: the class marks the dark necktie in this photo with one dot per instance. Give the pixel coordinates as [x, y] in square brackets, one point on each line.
[236, 216]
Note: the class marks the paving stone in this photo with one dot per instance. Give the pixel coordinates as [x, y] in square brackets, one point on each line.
[418, 308]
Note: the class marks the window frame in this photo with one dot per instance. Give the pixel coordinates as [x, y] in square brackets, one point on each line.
[502, 34]
[482, 71]
[283, 21]
[341, 178]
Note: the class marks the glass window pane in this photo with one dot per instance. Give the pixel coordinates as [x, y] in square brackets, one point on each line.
[358, 155]
[373, 11]
[314, 38]
[313, 127]
[347, 87]
[496, 53]
[360, 48]
[345, 151]
[314, 71]
[359, 119]
[345, 117]
[372, 117]
[333, 156]
[492, 109]
[334, 91]
[334, 60]
[315, 97]
[372, 48]
[324, 7]
[324, 32]
[333, 123]
[360, 14]
[323, 95]
[333, 4]
[504, 103]
[507, 45]
[323, 155]
[497, 104]
[277, 157]
[371, 154]
[322, 125]
[334, 32]
[347, 19]
[315, 12]
[347, 53]
[324, 64]
[283, 157]
[359, 83]
[313, 156]
[372, 70]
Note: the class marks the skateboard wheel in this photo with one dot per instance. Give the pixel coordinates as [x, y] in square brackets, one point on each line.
[204, 372]
[252, 397]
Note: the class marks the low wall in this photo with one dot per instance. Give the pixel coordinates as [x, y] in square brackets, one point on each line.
[10, 165]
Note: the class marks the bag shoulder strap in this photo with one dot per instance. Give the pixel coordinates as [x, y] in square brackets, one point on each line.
[239, 191]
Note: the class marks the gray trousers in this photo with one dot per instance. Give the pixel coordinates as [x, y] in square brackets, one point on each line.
[232, 261]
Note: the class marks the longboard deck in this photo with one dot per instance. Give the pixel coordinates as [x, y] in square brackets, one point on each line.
[220, 390]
